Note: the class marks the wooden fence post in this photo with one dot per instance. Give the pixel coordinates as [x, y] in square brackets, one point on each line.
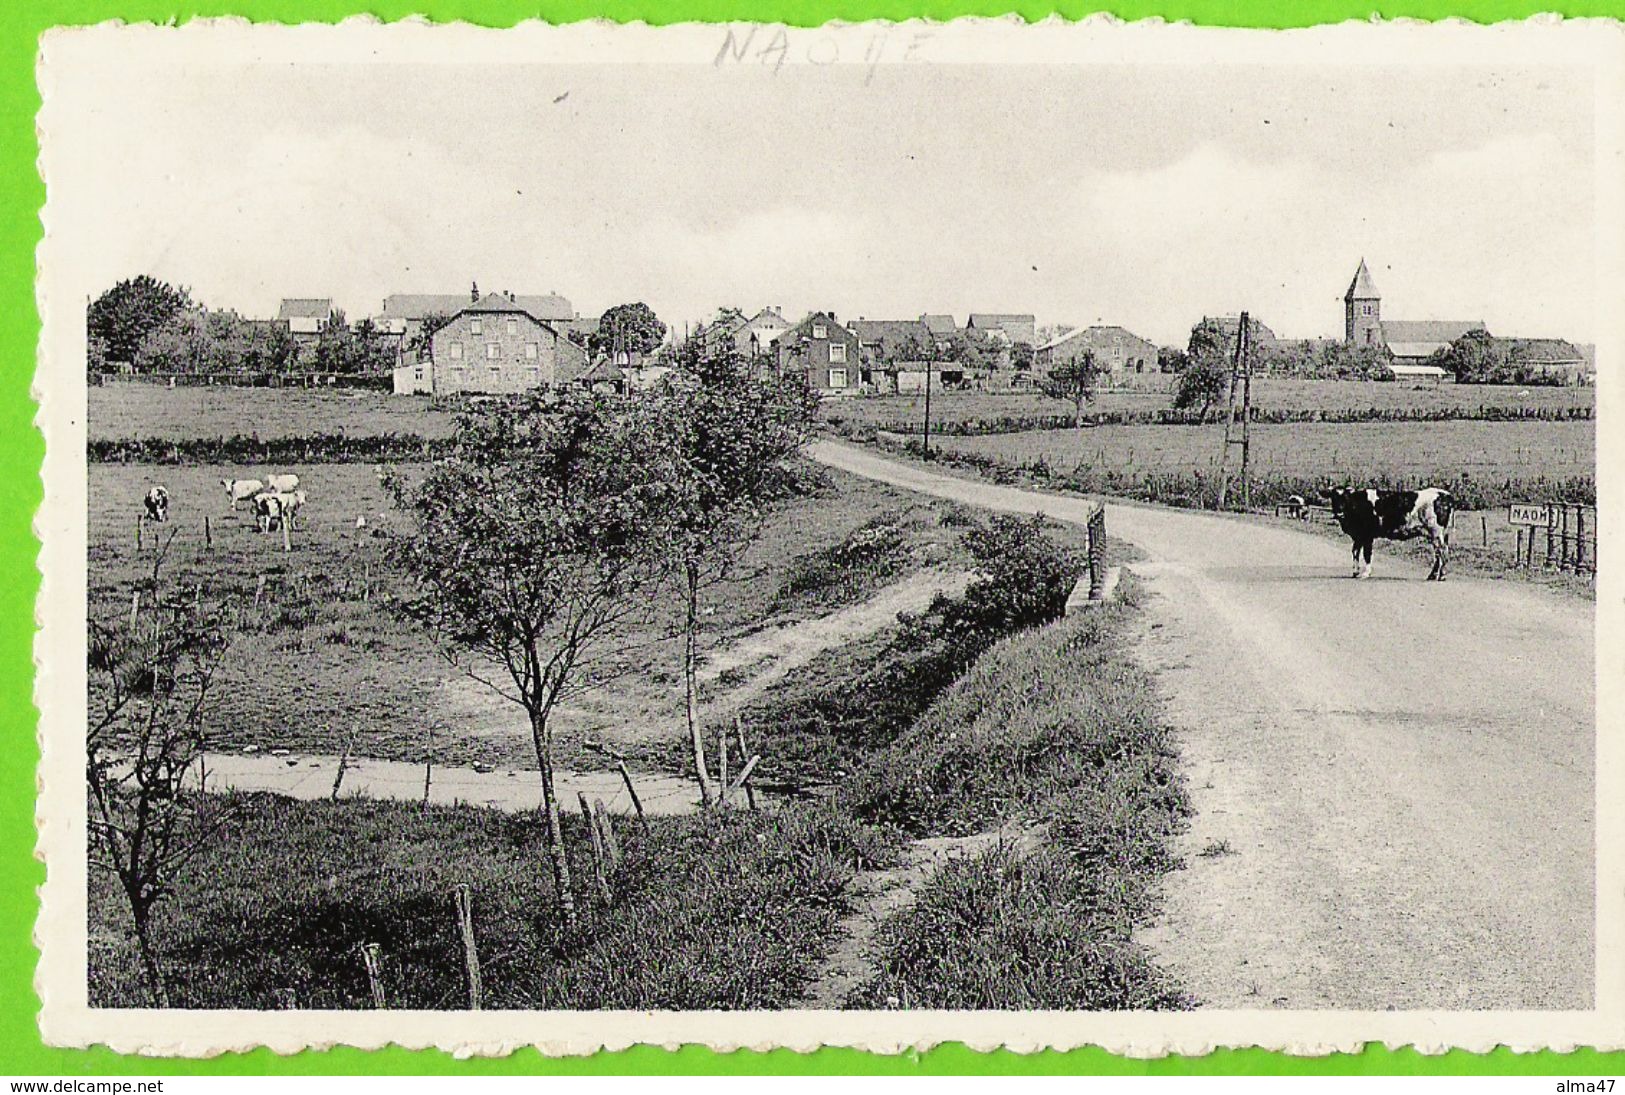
[370, 957]
[1579, 537]
[1097, 554]
[598, 853]
[1484, 526]
[259, 591]
[140, 524]
[287, 544]
[744, 750]
[637, 803]
[208, 534]
[722, 769]
[428, 762]
[338, 779]
[471, 954]
[606, 829]
[135, 607]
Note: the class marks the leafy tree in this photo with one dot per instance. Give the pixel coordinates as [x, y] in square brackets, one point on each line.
[1203, 383]
[351, 351]
[534, 546]
[1022, 355]
[149, 687]
[1475, 358]
[630, 327]
[126, 314]
[974, 349]
[734, 433]
[420, 342]
[1171, 359]
[1075, 381]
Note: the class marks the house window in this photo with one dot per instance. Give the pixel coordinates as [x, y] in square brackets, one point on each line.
[513, 326]
[820, 331]
[530, 351]
[837, 378]
[533, 376]
[456, 351]
[493, 350]
[837, 352]
[417, 374]
[476, 326]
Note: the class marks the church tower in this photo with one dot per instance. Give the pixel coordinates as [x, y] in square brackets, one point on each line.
[1362, 311]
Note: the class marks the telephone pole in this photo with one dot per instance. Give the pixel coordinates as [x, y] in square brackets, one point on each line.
[1238, 424]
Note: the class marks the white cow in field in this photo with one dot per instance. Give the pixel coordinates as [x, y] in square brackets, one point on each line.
[241, 490]
[282, 484]
[292, 503]
[268, 511]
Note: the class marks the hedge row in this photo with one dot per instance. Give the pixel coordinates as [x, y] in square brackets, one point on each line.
[1196, 489]
[321, 448]
[1167, 416]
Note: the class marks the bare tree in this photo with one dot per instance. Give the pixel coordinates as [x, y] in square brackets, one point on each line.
[150, 676]
[531, 548]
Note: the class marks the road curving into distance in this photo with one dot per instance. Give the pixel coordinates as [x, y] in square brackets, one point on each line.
[1393, 779]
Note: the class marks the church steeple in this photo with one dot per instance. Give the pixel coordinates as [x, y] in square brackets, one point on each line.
[1362, 310]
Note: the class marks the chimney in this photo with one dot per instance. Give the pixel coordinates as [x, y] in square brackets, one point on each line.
[473, 292]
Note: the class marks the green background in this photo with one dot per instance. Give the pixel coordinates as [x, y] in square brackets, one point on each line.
[21, 1051]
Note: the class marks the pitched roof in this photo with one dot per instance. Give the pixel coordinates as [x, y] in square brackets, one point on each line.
[1362, 287]
[1416, 350]
[418, 305]
[305, 308]
[939, 325]
[1543, 351]
[803, 328]
[494, 302]
[1105, 329]
[1428, 330]
[997, 319]
[602, 369]
[892, 332]
[767, 314]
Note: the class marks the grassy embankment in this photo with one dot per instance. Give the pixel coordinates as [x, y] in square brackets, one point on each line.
[747, 904]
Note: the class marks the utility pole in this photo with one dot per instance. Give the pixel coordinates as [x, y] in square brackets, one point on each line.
[1236, 428]
[928, 410]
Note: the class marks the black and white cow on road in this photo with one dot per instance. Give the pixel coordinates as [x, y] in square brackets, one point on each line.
[1369, 515]
[157, 503]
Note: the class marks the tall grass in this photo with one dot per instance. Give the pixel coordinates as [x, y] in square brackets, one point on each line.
[1058, 724]
[728, 911]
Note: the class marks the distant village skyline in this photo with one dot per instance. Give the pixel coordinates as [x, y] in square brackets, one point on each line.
[1146, 196]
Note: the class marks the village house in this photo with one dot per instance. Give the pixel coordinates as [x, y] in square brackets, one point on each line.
[1554, 357]
[306, 317]
[942, 328]
[404, 313]
[1114, 348]
[492, 346]
[1007, 328]
[750, 337]
[822, 350]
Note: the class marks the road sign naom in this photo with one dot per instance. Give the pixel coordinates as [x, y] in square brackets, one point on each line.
[1527, 515]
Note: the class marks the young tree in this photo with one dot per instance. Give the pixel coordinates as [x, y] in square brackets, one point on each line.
[630, 327]
[431, 323]
[1075, 381]
[734, 433]
[149, 687]
[1204, 383]
[127, 313]
[534, 546]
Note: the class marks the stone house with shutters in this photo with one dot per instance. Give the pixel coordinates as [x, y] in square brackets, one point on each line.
[493, 346]
[822, 350]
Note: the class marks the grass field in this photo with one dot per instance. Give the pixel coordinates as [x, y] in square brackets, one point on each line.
[118, 411]
[1268, 392]
[1431, 451]
[349, 672]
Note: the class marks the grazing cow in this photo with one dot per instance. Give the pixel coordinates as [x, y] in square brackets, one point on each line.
[1368, 515]
[157, 503]
[292, 503]
[267, 511]
[241, 490]
[282, 484]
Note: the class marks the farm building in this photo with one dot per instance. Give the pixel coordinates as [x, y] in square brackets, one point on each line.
[1548, 356]
[824, 350]
[1005, 327]
[493, 346]
[1122, 351]
[1435, 373]
[883, 341]
[749, 336]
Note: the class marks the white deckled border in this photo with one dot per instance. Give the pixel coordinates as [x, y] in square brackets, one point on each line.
[61, 525]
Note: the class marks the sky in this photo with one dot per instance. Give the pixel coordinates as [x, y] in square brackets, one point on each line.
[1145, 195]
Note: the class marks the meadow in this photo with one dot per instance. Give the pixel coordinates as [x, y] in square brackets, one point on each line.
[123, 411]
[879, 412]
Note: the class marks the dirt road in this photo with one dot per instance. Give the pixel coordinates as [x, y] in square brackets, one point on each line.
[1393, 779]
